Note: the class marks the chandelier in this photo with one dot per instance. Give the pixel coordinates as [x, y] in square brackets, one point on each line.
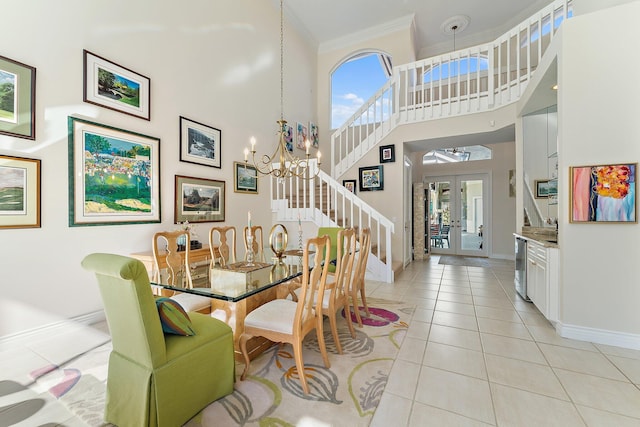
[288, 165]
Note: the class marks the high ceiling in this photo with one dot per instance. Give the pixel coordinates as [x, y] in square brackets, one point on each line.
[326, 21]
[337, 23]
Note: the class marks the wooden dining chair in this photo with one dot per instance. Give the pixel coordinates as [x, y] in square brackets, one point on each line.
[336, 290]
[178, 269]
[358, 282]
[224, 239]
[258, 242]
[287, 321]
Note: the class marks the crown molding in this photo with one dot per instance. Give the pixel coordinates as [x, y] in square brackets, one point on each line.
[402, 23]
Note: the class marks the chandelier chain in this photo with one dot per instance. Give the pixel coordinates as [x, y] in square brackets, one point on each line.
[281, 163]
[281, 60]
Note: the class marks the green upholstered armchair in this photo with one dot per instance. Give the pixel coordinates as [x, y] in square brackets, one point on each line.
[332, 232]
[156, 379]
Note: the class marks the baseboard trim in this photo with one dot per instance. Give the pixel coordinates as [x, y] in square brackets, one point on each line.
[84, 319]
[599, 336]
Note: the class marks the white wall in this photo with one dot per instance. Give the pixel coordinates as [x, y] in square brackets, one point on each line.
[214, 62]
[600, 262]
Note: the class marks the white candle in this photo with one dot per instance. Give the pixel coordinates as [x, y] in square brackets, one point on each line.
[319, 157]
[307, 144]
[246, 154]
[253, 143]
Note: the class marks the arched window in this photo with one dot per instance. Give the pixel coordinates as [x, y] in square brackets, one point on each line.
[354, 81]
[456, 67]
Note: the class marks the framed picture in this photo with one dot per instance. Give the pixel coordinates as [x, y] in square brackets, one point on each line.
[17, 99]
[603, 193]
[387, 153]
[288, 136]
[349, 184]
[313, 135]
[198, 200]
[199, 143]
[371, 178]
[114, 175]
[546, 188]
[113, 86]
[245, 178]
[302, 136]
[19, 192]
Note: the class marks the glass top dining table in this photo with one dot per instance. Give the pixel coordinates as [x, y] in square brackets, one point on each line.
[237, 281]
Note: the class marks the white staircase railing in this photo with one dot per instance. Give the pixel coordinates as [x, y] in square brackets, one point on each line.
[477, 79]
[326, 202]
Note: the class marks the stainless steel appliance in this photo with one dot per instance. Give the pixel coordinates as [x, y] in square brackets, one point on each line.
[520, 280]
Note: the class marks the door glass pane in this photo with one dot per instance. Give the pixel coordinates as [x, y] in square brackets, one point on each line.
[471, 221]
[440, 214]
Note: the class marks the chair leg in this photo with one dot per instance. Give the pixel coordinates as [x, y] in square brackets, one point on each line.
[321, 343]
[297, 355]
[356, 310]
[243, 348]
[347, 309]
[334, 329]
[364, 300]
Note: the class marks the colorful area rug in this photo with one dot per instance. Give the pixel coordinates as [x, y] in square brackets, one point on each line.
[347, 393]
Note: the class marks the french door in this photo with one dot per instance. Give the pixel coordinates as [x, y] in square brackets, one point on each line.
[458, 214]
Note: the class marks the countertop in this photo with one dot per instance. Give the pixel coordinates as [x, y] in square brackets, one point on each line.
[546, 237]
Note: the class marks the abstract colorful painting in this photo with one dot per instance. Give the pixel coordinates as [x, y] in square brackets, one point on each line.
[605, 193]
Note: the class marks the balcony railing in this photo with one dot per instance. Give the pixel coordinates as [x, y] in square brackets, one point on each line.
[477, 79]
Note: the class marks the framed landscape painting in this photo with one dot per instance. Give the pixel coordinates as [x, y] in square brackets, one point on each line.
[113, 86]
[603, 193]
[198, 200]
[245, 178]
[371, 178]
[199, 143]
[114, 175]
[17, 99]
[19, 192]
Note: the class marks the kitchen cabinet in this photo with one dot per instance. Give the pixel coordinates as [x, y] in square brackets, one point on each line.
[542, 278]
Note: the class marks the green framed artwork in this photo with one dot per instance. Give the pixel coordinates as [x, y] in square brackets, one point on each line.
[245, 178]
[19, 192]
[17, 99]
[114, 175]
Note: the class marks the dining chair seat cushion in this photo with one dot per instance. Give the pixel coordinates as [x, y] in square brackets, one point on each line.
[191, 302]
[173, 318]
[326, 298]
[276, 315]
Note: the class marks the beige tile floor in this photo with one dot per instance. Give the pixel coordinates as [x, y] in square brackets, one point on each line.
[477, 355]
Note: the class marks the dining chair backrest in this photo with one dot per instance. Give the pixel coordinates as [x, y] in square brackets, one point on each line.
[224, 238]
[345, 262]
[314, 279]
[178, 271]
[258, 244]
